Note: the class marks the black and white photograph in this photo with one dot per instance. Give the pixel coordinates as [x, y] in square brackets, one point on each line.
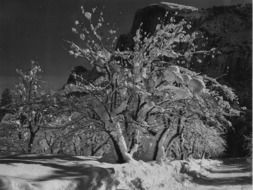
[126, 95]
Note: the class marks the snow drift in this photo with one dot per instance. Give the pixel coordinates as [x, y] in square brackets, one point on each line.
[49, 172]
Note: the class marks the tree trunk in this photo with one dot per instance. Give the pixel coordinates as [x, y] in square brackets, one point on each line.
[170, 141]
[30, 143]
[51, 150]
[203, 155]
[181, 141]
[192, 150]
[119, 144]
[122, 144]
[158, 139]
[32, 137]
[120, 158]
[160, 153]
[75, 149]
[179, 133]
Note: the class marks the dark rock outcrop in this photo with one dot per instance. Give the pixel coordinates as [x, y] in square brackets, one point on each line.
[81, 74]
[227, 28]
[148, 18]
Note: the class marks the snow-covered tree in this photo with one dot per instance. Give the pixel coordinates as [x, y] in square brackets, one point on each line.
[150, 91]
[31, 108]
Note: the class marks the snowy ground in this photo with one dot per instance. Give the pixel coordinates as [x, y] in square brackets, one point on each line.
[35, 172]
[48, 172]
[228, 174]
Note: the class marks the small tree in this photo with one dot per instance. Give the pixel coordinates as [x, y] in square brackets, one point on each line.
[31, 106]
[150, 95]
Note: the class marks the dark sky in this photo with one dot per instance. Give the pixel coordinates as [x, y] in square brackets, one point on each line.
[35, 29]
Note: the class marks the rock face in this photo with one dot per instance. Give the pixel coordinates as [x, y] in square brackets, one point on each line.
[149, 17]
[228, 29]
[81, 74]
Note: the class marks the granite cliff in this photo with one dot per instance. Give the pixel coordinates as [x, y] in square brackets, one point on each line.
[228, 29]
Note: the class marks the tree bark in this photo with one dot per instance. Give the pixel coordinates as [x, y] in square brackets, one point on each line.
[179, 133]
[157, 145]
[161, 137]
[120, 158]
[30, 143]
[122, 144]
[181, 141]
[31, 139]
[119, 144]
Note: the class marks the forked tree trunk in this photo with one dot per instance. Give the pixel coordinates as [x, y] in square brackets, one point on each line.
[127, 157]
[160, 139]
[120, 145]
[163, 143]
[120, 158]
